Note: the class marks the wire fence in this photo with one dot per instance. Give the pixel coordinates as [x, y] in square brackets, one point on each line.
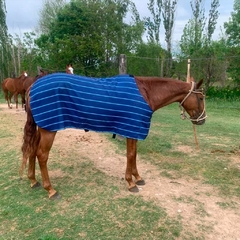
[214, 69]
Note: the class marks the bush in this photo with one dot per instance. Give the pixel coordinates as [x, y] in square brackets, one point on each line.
[225, 93]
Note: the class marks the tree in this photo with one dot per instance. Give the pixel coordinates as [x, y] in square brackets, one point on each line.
[232, 27]
[153, 26]
[162, 11]
[74, 36]
[3, 39]
[48, 14]
[232, 30]
[198, 22]
[196, 43]
[168, 13]
[212, 20]
[147, 60]
[3, 26]
[196, 34]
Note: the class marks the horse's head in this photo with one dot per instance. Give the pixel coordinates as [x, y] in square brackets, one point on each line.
[24, 74]
[43, 73]
[194, 104]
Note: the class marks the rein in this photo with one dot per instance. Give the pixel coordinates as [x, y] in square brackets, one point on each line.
[183, 115]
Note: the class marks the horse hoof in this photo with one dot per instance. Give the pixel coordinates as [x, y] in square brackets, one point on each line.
[134, 189]
[55, 196]
[36, 185]
[140, 182]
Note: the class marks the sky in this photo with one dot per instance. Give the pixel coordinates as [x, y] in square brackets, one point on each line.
[23, 15]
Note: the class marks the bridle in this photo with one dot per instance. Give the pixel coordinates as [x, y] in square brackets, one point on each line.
[202, 116]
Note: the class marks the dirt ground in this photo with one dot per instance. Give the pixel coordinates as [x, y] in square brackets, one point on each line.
[199, 208]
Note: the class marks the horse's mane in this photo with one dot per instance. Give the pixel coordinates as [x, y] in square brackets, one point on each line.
[150, 82]
[150, 87]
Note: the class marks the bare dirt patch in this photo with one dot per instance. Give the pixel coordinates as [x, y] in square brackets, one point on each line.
[197, 205]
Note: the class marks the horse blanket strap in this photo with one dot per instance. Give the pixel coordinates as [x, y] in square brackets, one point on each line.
[59, 101]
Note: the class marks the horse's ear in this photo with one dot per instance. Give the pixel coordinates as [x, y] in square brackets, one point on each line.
[199, 83]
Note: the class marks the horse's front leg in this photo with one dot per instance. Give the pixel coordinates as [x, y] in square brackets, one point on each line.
[8, 99]
[44, 147]
[9, 103]
[131, 169]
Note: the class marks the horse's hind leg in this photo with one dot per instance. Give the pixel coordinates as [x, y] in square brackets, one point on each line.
[8, 98]
[44, 147]
[31, 171]
[23, 100]
[131, 169]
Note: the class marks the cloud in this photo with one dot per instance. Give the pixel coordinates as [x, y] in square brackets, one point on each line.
[23, 15]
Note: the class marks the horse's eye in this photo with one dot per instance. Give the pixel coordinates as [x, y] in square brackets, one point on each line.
[201, 98]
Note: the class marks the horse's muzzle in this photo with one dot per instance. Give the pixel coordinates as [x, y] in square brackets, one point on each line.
[200, 122]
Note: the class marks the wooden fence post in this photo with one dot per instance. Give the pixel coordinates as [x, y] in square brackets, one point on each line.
[189, 80]
[122, 64]
[39, 70]
[188, 71]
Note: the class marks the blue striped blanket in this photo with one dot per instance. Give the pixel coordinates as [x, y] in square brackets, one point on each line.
[59, 101]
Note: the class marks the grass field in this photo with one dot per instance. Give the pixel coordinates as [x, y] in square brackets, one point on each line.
[97, 205]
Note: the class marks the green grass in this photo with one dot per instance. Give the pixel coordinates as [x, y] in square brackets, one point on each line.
[90, 208]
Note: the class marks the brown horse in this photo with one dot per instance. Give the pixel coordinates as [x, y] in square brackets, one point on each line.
[14, 87]
[155, 92]
[30, 80]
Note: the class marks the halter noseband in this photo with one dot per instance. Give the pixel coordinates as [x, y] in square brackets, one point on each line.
[183, 115]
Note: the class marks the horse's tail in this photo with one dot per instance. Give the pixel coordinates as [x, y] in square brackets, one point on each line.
[31, 137]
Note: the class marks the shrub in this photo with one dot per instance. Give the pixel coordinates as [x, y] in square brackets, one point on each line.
[224, 93]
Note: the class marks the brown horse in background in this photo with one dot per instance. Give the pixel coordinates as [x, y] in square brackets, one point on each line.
[30, 80]
[157, 93]
[14, 87]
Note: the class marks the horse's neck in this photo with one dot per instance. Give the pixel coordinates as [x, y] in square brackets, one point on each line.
[159, 93]
[21, 77]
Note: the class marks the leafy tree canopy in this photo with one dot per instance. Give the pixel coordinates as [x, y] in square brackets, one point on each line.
[232, 27]
[90, 32]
